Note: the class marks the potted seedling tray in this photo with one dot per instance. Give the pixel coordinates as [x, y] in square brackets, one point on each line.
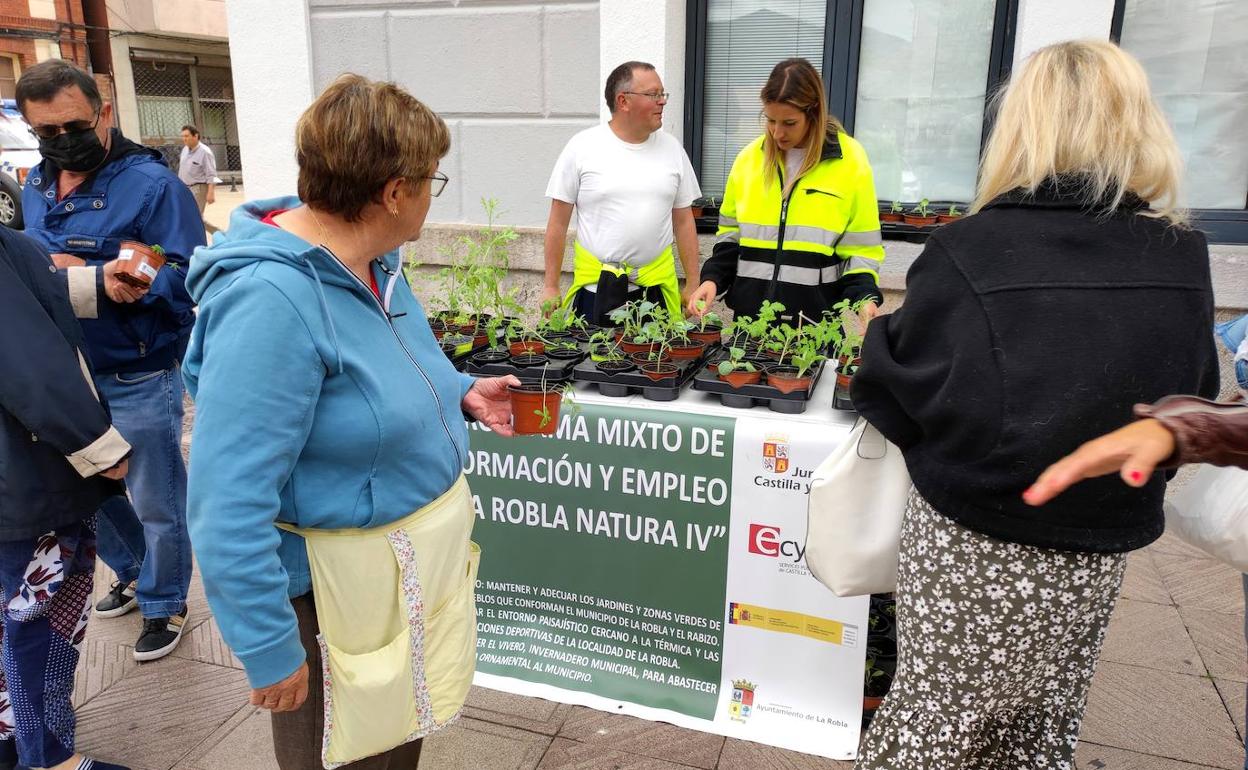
[496, 362]
[841, 400]
[748, 396]
[632, 380]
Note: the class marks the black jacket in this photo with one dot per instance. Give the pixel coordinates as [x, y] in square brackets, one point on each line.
[55, 434]
[1028, 329]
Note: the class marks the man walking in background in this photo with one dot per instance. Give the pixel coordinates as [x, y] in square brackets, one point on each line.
[197, 169]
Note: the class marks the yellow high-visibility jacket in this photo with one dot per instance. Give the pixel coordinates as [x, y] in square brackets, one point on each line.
[808, 251]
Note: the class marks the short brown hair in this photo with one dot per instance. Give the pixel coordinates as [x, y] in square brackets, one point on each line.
[42, 82]
[192, 129]
[622, 77]
[357, 136]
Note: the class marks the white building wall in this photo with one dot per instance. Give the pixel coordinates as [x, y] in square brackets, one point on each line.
[513, 80]
[1044, 22]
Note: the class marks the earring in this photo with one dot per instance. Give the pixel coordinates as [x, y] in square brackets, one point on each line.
[394, 213]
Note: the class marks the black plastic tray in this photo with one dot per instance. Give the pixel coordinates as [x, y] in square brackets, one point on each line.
[556, 370]
[748, 396]
[633, 381]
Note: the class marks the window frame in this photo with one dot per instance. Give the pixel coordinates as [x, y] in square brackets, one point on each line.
[841, 53]
[1220, 225]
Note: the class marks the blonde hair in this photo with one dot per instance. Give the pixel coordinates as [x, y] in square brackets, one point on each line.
[1083, 108]
[796, 82]
[357, 136]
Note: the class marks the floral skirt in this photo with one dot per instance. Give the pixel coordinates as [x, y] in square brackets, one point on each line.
[997, 643]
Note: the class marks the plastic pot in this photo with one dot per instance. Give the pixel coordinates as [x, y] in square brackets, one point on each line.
[564, 354]
[613, 367]
[527, 346]
[740, 378]
[139, 264]
[638, 347]
[457, 344]
[918, 221]
[527, 404]
[888, 216]
[525, 360]
[710, 336]
[658, 371]
[687, 352]
[785, 379]
[491, 356]
[644, 357]
[945, 218]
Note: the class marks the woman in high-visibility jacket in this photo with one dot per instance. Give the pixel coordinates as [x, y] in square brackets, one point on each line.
[799, 223]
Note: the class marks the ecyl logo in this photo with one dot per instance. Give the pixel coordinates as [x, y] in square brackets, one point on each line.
[765, 540]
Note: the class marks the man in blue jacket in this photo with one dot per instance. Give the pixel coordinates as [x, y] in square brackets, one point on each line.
[93, 190]
[60, 457]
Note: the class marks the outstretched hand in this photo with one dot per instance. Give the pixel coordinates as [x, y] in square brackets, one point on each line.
[490, 403]
[1133, 451]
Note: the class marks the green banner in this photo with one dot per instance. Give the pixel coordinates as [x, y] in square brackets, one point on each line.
[636, 504]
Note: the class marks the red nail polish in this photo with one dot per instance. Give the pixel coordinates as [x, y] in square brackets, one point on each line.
[1136, 475]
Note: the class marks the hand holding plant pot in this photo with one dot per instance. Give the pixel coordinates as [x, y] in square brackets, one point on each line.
[489, 401]
[139, 263]
[116, 289]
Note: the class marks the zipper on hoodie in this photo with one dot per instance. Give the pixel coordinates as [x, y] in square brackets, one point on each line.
[784, 216]
[398, 338]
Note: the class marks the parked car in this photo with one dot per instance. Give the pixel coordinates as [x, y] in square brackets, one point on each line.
[19, 153]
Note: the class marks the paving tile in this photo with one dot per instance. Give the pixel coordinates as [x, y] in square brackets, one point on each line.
[206, 645]
[1220, 641]
[747, 755]
[1170, 544]
[1201, 582]
[565, 754]
[473, 745]
[504, 708]
[1089, 756]
[1151, 635]
[244, 742]
[156, 714]
[1233, 696]
[1142, 581]
[616, 732]
[1160, 713]
[102, 664]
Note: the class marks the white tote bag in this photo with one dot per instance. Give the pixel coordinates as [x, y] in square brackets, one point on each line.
[1211, 513]
[857, 500]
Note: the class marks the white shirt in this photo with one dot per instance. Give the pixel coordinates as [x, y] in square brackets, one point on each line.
[198, 166]
[624, 193]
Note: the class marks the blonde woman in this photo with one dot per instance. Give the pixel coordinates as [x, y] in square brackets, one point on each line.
[799, 223]
[1074, 291]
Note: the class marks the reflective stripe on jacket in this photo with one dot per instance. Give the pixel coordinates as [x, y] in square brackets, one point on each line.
[809, 250]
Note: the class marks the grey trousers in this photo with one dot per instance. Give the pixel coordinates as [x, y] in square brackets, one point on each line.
[200, 191]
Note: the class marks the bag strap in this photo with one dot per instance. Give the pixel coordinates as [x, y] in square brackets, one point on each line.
[871, 444]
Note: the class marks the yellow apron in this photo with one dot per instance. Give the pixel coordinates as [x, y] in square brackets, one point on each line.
[398, 625]
[661, 272]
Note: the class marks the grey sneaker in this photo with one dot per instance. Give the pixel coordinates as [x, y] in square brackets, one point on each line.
[119, 600]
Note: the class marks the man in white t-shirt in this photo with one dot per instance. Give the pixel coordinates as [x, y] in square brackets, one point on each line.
[632, 187]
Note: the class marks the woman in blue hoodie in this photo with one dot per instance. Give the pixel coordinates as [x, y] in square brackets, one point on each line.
[323, 403]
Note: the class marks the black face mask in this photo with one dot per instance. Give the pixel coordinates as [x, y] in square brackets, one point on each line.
[80, 151]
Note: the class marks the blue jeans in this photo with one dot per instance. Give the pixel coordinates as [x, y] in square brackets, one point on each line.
[45, 584]
[148, 539]
[1232, 334]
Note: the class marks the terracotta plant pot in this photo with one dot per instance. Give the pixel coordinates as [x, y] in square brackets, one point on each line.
[844, 380]
[945, 218]
[785, 379]
[139, 264]
[613, 367]
[527, 402]
[659, 371]
[711, 336]
[687, 352]
[527, 346]
[638, 347]
[697, 211]
[641, 358]
[871, 703]
[888, 216]
[918, 221]
[740, 378]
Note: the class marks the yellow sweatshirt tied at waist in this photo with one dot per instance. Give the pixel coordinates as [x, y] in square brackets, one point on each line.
[661, 272]
[397, 616]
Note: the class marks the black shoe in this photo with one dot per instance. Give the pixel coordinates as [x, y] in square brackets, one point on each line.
[119, 600]
[160, 636]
